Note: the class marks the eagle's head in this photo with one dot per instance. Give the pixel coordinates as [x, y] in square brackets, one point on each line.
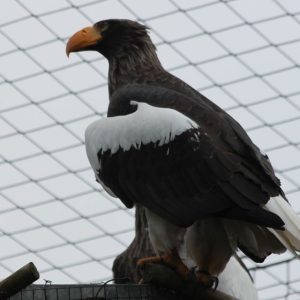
[114, 37]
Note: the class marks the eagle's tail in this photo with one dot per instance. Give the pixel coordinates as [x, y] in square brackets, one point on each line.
[290, 237]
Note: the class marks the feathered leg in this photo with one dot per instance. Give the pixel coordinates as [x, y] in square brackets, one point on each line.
[165, 238]
[207, 244]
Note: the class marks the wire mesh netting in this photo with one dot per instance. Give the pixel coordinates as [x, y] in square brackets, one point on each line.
[105, 292]
[242, 54]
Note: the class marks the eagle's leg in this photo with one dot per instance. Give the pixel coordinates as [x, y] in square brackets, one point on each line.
[209, 247]
[171, 259]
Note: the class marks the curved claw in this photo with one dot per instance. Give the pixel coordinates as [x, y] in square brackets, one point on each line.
[172, 260]
[147, 260]
[206, 279]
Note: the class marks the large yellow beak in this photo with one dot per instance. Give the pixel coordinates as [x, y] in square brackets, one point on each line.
[82, 39]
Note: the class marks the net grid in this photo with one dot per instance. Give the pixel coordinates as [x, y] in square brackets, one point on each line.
[93, 291]
[47, 184]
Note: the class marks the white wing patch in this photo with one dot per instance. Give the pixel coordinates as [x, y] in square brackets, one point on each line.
[147, 124]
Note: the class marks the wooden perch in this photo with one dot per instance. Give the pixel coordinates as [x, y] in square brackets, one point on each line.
[18, 280]
[163, 276]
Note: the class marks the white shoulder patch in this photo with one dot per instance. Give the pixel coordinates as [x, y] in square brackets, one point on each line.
[147, 124]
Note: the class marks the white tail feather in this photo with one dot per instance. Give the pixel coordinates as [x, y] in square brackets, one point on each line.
[284, 241]
[290, 237]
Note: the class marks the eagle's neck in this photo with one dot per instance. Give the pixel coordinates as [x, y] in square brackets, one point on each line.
[140, 65]
[134, 66]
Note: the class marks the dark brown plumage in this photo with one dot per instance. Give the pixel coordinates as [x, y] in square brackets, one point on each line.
[136, 73]
[210, 170]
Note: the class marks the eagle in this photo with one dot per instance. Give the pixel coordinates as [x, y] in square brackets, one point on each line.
[164, 146]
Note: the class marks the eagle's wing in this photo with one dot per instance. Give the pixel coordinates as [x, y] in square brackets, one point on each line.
[221, 127]
[171, 164]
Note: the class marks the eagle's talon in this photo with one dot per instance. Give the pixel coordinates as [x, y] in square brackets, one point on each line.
[147, 260]
[141, 281]
[171, 260]
[206, 279]
[216, 283]
[192, 274]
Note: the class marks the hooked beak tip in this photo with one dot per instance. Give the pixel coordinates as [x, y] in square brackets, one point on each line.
[82, 40]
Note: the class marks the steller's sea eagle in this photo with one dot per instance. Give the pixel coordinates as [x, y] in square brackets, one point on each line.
[168, 148]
